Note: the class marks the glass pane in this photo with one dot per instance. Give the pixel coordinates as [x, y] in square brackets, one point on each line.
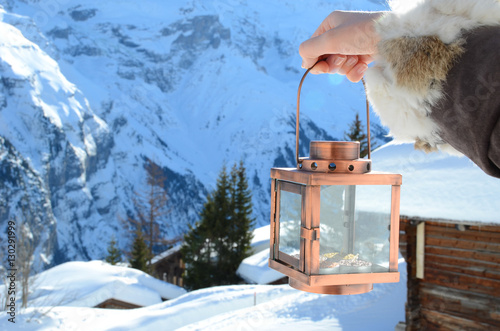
[354, 229]
[290, 212]
[335, 221]
[373, 220]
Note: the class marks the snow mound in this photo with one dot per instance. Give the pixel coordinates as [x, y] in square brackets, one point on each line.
[255, 269]
[87, 284]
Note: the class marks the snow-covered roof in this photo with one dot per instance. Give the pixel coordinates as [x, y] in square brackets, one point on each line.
[87, 284]
[440, 186]
[166, 253]
[255, 269]
[260, 240]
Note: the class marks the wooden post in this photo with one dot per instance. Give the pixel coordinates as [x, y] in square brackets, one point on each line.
[420, 250]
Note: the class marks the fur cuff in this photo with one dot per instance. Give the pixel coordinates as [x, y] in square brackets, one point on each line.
[420, 43]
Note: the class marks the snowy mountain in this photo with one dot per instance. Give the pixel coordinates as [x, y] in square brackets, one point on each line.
[92, 91]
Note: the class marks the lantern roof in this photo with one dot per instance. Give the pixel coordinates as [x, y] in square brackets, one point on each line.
[321, 178]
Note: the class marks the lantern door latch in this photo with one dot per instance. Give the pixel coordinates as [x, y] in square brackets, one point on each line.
[310, 234]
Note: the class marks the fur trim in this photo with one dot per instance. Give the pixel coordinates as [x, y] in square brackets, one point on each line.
[420, 43]
[420, 62]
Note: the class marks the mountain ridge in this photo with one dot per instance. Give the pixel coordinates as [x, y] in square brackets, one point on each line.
[187, 86]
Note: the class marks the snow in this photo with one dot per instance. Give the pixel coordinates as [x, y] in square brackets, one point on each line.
[260, 239]
[439, 185]
[87, 284]
[255, 269]
[166, 253]
[236, 307]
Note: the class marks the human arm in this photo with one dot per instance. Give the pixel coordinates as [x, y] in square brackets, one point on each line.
[428, 66]
[426, 82]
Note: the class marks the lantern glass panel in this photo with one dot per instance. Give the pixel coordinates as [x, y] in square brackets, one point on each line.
[290, 220]
[354, 226]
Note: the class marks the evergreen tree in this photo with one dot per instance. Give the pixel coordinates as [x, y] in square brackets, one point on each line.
[214, 249]
[357, 133]
[114, 254]
[196, 253]
[242, 211]
[140, 253]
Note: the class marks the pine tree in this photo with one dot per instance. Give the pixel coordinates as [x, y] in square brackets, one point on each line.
[140, 253]
[242, 211]
[196, 253]
[215, 247]
[357, 133]
[114, 254]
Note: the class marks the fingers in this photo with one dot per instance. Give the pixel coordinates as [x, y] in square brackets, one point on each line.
[320, 68]
[357, 72]
[336, 62]
[352, 66]
[348, 65]
[332, 64]
[355, 67]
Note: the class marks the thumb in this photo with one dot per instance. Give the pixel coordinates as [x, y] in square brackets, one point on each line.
[311, 49]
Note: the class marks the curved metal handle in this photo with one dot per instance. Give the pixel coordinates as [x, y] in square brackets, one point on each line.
[298, 117]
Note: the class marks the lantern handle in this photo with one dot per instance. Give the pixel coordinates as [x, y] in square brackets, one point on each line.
[298, 114]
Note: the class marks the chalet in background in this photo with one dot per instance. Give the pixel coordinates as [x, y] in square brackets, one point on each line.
[453, 274]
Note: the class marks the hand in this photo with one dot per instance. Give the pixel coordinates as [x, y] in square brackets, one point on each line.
[346, 40]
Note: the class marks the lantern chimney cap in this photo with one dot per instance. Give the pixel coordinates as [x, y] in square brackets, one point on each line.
[334, 150]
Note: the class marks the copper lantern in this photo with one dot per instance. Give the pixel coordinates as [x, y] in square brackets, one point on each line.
[334, 221]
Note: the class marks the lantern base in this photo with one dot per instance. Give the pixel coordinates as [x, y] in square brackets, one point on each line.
[331, 289]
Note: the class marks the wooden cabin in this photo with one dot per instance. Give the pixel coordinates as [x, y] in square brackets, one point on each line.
[116, 304]
[453, 274]
[169, 266]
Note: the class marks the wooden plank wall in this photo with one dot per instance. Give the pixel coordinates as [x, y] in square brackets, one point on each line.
[461, 285]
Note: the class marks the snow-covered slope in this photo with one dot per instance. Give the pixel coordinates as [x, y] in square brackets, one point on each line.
[91, 91]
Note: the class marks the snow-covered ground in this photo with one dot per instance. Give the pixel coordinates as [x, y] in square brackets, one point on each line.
[238, 307]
